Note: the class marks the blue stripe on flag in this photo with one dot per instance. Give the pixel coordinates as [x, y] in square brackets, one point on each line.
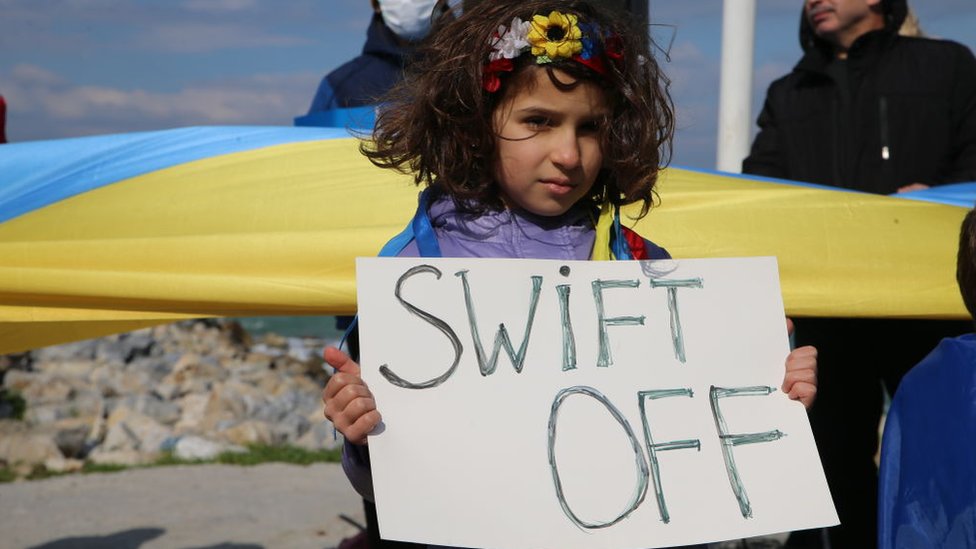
[35, 174]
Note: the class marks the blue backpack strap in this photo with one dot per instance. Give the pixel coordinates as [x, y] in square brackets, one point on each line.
[353, 326]
[423, 231]
[419, 229]
[610, 242]
[618, 244]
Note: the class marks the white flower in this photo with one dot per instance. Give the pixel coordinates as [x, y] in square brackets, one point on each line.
[510, 42]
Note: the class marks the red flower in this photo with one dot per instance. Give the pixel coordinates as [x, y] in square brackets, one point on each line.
[596, 63]
[490, 79]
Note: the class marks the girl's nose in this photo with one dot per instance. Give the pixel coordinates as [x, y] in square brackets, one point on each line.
[566, 150]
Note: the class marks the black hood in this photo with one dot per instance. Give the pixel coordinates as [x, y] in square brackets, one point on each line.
[895, 12]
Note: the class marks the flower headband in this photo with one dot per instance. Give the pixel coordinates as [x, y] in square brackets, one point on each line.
[548, 38]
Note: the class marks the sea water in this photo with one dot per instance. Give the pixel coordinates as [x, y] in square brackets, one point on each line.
[321, 327]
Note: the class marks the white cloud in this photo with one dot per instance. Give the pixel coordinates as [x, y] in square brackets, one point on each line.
[219, 6]
[41, 105]
[206, 37]
[102, 27]
[34, 75]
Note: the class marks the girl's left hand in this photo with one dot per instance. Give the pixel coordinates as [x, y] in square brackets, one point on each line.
[800, 382]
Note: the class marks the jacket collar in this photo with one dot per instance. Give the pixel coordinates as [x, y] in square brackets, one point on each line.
[502, 224]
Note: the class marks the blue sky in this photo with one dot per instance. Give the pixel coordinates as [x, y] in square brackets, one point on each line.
[84, 67]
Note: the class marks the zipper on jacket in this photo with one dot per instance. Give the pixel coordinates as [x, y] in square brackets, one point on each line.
[835, 141]
[883, 116]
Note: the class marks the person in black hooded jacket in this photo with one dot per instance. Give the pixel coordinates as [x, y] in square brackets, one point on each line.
[869, 110]
[877, 113]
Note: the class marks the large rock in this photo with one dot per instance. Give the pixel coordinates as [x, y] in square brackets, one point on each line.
[194, 373]
[124, 348]
[64, 465]
[84, 404]
[79, 350]
[51, 397]
[321, 434]
[15, 361]
[193, 409]
[121, 457]
[167, 413]
[197, 387]
[252, 368]
[270, 382]
[247, 432]
[132, 430]
[193, 447]
[73, 436]
[77, 369]
[229, 403]
[20, 446]
[290, 428]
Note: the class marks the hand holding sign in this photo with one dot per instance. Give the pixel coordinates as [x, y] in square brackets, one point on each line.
[349, 404]
[800, 382]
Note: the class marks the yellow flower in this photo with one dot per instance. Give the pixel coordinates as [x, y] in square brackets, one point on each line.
[555, 36]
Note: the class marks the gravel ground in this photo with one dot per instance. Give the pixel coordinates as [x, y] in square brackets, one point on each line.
[195, 507]
[204, 506]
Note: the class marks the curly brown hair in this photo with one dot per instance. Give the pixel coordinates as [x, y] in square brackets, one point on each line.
[437, 124]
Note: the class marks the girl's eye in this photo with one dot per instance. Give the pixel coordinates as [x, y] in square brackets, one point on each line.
[537, 122]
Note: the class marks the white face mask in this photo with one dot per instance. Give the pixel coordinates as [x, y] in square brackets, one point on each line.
[408, 19]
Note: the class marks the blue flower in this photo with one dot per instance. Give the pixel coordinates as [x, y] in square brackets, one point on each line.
[590, 46]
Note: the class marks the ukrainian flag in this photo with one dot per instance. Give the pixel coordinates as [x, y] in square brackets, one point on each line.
[111, 233]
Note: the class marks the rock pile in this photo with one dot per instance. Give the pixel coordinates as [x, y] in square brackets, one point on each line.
[195, 388]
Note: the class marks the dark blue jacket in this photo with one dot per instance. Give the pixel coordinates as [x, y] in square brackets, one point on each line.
[928, 474]
[363, 80]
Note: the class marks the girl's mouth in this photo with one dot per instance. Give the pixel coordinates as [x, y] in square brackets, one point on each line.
[558, 186]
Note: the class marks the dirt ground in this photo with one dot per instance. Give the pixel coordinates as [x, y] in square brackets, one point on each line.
[267, 506]
[205, 506]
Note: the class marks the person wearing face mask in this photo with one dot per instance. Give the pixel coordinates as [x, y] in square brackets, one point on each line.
[395, 27]
[869, 110]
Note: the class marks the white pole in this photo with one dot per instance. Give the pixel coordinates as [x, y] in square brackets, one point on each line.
[735, 95]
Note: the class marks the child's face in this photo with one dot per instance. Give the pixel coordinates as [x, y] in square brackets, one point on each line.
[549, 148]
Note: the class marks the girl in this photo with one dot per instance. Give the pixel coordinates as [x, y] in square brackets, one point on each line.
[530, 122]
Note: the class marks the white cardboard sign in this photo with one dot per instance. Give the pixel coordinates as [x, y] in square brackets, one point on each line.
[623, 404]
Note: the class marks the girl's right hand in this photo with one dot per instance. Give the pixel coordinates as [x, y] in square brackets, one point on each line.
[349, 404]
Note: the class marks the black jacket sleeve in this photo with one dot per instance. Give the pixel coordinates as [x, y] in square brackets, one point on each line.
[767, 157]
